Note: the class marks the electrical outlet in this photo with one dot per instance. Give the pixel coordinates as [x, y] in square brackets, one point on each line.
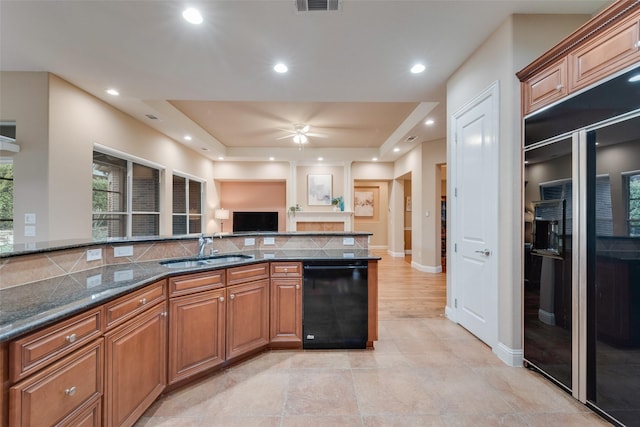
[250, 241]
[348, 241]
[268, 256]
[348, 255]
[29, 231]
[119, 251]
[94, 254]
[269, 241]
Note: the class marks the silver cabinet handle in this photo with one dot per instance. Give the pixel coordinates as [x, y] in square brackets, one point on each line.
[559, 87]
[164, 314]
[232, 296]
[485, 252]
[143, 301]
[70, 338]
[221, 299]
[70, 391]
[297, 286]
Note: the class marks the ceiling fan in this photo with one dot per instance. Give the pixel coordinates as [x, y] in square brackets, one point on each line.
[301, 134]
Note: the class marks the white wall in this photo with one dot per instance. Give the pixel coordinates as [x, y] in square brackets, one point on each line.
[518, 41]
[24, 99]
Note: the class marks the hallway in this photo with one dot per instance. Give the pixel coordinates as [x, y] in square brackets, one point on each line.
[424, 371]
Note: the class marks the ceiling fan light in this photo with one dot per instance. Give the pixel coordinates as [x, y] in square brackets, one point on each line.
[299, 138]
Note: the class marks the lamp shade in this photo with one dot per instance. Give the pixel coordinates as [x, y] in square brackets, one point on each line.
[221, 213]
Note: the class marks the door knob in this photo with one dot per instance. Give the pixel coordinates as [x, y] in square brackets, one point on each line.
[485, 252]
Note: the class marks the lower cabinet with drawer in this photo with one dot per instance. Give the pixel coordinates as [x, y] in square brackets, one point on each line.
[136, 357]
[286, 305]
[61, 393]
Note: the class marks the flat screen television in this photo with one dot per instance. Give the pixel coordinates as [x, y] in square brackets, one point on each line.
[255, 221]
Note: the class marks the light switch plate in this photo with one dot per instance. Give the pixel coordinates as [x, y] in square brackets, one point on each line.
[94, 254]
[29, 230]
[30, 218]
[119, 251]
[250, 241]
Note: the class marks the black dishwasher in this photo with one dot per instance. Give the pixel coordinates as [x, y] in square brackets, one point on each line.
[335, 304]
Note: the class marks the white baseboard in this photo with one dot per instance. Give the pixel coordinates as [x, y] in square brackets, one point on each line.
[396, 254]
[450, 313]
[426, 268]
[510, 356]
[378, 247]
[547, 318]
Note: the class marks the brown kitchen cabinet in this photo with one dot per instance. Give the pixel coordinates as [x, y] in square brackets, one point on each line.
[136, 357]
[545, 87]
[196, 333]
[61, 393]
[247, 315]
[286, 304]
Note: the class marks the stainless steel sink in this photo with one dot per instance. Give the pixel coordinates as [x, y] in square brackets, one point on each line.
[204, 262]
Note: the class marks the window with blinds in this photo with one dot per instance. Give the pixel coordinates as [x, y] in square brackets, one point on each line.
[6, 205]
[126, 198]
[187, 205]
[633, 204]
[562, 190]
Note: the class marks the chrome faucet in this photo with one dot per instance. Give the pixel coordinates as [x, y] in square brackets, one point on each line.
[202, 244]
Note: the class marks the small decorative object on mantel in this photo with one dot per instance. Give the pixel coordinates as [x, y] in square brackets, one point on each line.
[294, 209]
[338, 203]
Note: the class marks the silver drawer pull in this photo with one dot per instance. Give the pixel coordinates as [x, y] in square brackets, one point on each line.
[70, 391]
[559, 87]
[143, 301]
[70, 338]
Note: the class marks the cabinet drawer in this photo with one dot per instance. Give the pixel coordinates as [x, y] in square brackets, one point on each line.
[286, 269]
[128, 306]
[613, 51]
[32, 352]
[247, 273]
[182, 285]
[545, 87]
[51, 396]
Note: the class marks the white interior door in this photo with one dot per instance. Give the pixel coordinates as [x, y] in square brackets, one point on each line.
[475, 216]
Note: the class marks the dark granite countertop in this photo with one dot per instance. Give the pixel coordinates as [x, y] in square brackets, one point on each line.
[31, 306]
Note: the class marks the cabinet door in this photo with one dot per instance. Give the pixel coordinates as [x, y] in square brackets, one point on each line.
[196, 333]
[247, 317]
[286, 311]
[55, 394]
[611, 51]
[136, 366]
[545, 87]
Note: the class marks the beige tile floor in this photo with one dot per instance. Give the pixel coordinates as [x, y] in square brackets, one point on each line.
[423, 372]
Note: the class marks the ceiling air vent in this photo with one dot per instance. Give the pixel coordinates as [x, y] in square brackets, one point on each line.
[411, 138]
[151, 117]
[316, 5]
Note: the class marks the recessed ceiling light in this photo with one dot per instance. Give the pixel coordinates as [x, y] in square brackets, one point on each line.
[396, 149]
[272, 158]
[192, 16]
[418, 68]
[220, 158]
[320, 159]
[204, 149]
[187, 138]
[113, 92]
[429, 122]
[280, 68]
[375, 159]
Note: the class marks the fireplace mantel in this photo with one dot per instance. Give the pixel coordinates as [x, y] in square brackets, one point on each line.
[345, 217]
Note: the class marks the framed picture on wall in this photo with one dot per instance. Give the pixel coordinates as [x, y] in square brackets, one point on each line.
[363, 203]
[319, 190]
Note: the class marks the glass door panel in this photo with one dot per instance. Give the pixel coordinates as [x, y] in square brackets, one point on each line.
[613, 270]
[548, 280]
